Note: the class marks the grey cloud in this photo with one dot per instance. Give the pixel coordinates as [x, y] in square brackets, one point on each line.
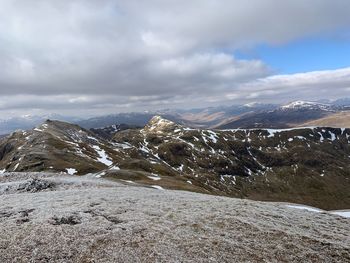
[110, 55]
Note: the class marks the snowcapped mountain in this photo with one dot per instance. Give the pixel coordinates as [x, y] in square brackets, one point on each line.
[293, 114]
[309, 105]
[305, 165]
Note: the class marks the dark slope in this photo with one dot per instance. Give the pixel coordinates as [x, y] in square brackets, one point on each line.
[307, 165]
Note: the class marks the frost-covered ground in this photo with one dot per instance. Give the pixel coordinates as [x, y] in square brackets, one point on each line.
[62, 218]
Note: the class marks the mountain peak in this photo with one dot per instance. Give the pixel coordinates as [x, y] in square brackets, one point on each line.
[158, 123]
[251, 104]
[301, 104]
[61, 125]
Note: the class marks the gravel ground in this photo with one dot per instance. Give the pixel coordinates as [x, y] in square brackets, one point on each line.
[60, 218]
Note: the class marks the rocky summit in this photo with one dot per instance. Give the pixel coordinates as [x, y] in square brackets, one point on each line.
[303, 165]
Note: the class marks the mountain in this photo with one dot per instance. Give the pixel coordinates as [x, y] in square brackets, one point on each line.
[109, 131]
[26, 122]
[250, 115]
[308, 165]
[214, 116]
[55, 146]
[199, 118]
[138, 119]
[308, 105]
[344, 102]
[304, 165]
[290, 115]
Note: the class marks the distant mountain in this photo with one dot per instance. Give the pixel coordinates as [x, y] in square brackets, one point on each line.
[201, 117]
[305, 165]
[250, 115]
[214, 116]
[308, 105]
[109, 131]
[134, 119]
[289, 115]
[344, 103]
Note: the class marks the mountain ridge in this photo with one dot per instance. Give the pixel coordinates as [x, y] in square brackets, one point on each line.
[303, 165]
[250, 115]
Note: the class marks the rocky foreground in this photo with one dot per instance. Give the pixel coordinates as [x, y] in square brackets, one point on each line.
[61, 218]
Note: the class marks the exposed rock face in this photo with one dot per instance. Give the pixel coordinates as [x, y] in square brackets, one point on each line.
[159, 125]
[86, 219]
[306, 165]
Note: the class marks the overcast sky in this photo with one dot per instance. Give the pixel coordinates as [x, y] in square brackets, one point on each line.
[90, 57]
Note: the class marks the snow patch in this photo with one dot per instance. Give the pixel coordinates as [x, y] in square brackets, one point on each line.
[341, 213]
[154, 177]
[157, 187]
[128, 181]
[181, 168]
[103, 157]
[333, 137]
[308, 208]
[99, 175]
[71, 171]
[228, 176]
[321, 137]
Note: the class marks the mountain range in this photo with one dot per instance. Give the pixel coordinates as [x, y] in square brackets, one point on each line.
[302, 165]
[251, 115]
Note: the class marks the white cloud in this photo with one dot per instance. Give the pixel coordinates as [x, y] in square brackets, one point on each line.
[327, 84]
[101, 55]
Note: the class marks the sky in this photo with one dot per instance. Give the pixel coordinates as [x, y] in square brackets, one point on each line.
[85, 58]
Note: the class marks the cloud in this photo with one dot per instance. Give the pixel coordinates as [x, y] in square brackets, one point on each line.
[108, 55]
[329, 84]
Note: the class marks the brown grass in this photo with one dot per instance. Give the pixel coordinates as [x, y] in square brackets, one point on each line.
[336, 120]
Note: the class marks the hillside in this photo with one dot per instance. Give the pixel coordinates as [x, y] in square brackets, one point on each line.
[57, 146]
[216, 116]
[47, 217]
[339, 119]
[307, 165]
